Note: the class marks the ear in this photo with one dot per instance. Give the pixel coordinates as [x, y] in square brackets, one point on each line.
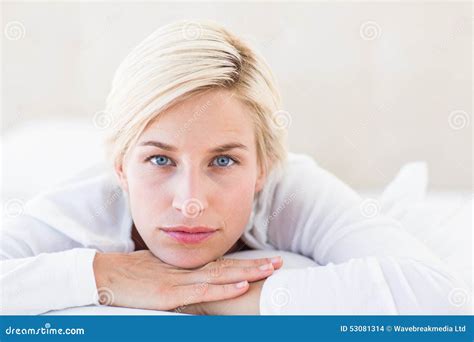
[261, 178]
[121, 174]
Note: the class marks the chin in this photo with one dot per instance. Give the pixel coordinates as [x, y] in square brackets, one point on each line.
[183, 258]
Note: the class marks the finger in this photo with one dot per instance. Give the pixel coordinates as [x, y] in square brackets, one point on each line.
[205, 292]
[277, 261]
[228, 275]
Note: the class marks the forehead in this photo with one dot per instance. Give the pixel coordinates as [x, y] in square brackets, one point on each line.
[211, 117]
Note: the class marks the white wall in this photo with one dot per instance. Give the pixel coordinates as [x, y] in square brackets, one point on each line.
[361, 106]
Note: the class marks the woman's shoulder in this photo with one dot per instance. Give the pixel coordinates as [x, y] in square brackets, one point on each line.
[285, 190]
[297, 168]
[90, 201]
[300, 162]
[92, 184]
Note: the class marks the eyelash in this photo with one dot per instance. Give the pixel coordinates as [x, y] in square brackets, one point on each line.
[234, 159]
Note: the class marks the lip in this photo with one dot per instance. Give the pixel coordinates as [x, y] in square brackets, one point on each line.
[189, 235]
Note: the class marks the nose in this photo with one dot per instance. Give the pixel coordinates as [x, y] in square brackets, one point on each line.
[190, 194]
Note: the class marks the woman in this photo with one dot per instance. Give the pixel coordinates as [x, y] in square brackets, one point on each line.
[200, 170]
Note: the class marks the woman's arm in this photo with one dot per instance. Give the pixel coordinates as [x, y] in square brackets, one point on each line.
[35, 277]
[246, 304]
[41, 269]
[370, 264]
[49, 281]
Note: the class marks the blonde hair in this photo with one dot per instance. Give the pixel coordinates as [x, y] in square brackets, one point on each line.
[182, 59]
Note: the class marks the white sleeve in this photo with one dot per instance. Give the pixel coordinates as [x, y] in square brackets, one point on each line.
[47, 253]
[369, 264]
[42, 269]
[48, 281]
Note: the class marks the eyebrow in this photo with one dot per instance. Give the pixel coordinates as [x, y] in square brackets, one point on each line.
[218, 149]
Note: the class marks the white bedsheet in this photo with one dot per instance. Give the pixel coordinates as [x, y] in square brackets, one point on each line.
[93, 310]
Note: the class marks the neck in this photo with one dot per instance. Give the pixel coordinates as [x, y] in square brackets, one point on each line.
[137, 240]
[238, 246]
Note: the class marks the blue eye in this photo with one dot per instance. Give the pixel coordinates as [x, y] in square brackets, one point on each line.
[220, 161]
[160, 160]
[223, 161]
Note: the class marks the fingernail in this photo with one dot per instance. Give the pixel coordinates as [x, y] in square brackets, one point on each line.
[241, 284]
[265, 267]
[276, 260]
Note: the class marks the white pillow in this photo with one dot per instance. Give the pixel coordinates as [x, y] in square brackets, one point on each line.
[405, 191]
[290, 260]
[441, 220]
[38, 155]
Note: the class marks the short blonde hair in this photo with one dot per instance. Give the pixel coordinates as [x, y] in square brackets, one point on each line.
[182, 59]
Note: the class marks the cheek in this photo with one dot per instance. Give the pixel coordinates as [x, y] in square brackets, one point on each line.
[146, 198]
[234, 203]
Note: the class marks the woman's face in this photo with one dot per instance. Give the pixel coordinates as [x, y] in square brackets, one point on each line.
[194, 169]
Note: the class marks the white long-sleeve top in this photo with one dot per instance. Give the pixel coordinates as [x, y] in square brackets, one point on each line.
[368, 264]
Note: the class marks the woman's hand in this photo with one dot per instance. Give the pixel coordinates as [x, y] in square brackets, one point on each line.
[246, 304]
[141, 280]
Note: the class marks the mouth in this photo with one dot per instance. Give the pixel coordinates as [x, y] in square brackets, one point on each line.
[189, 235]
